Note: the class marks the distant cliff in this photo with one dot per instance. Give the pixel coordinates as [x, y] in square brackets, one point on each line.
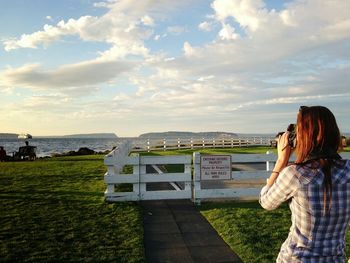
[8, 135]
[93, 136]
[182, 135]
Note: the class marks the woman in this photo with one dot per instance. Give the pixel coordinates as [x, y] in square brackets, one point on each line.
[317, 187]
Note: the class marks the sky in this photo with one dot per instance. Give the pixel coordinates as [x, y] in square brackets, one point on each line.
[131, 67]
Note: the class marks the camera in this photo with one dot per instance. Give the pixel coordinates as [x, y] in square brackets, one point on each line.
[292, 138]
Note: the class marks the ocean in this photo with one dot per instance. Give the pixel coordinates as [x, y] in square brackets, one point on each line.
[46, 146]
[49, 146]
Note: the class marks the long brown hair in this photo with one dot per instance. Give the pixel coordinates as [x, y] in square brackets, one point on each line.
[318, 139]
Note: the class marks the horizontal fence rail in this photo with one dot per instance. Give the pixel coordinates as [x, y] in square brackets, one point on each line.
[140, 177]
[195, 143]
[252, 179]
[246, 174]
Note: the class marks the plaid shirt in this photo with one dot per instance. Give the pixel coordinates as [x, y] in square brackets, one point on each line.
[314, 236]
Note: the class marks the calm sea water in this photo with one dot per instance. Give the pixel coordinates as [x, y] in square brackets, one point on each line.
[48, 146]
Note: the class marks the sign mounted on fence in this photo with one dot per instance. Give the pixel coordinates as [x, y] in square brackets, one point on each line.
[215, 167]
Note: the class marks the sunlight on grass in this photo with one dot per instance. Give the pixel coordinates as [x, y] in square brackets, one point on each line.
[54, 210]
[237, 150]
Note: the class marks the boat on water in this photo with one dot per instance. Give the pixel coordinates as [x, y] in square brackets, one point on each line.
[25, 136]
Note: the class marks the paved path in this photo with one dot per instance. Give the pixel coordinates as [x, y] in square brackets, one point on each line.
[175, 231]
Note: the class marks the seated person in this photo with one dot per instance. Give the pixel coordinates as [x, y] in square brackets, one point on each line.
[2, 154]
[27, 151]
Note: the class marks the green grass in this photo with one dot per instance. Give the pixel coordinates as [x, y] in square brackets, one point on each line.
[237, 150]
[54, 210]
[255, 234]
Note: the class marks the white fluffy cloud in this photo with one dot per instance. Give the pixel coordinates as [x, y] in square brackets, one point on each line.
[205, 26]
[248, 13]
[228, 33]
[72, 79]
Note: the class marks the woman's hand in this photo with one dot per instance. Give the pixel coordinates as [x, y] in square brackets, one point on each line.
[284, 150]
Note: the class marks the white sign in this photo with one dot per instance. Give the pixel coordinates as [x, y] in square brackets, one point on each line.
[215, 167]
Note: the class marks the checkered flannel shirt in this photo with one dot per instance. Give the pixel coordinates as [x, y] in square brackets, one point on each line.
[314, 236]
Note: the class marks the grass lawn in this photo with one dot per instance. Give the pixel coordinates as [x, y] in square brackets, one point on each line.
[255, 234]
[54, 210]
[237, 150]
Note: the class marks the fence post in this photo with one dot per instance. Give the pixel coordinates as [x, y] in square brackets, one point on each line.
[196, 178]
[203, 143]
[142, 185]
[164, 144]
[148, 146]
[178, 144]
[188, 185]
[110, 187]
[269, 165]
[136, 171]
[191, 143]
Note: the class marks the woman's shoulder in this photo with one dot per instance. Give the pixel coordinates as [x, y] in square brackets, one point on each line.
[342, 170]
[303, 173]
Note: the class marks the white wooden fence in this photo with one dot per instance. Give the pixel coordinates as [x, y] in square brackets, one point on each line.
[243, 184]
[245, 181]
[180, 182]
[191, 143]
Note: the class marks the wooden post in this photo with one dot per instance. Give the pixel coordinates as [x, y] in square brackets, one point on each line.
[269, 165]
[196, 177]
[188, 169]
[164, 144]
[136, 171]
[148, 146]
[142, 186]
[178, 144]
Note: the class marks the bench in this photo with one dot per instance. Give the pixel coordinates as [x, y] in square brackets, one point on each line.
[26, 152]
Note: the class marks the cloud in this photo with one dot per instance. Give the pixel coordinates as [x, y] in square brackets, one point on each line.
[80, 77]
[259, 60]
[176, 30]
[147, 20]
[205, 26]
[125, 24]
[189, 51]
[248, 13]
[228, 33]
[48, 35]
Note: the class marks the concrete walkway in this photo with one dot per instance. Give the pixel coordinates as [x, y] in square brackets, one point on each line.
[175, 231]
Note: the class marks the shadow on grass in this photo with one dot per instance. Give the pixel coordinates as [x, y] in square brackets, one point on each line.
[229, 205]
[252, 232]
